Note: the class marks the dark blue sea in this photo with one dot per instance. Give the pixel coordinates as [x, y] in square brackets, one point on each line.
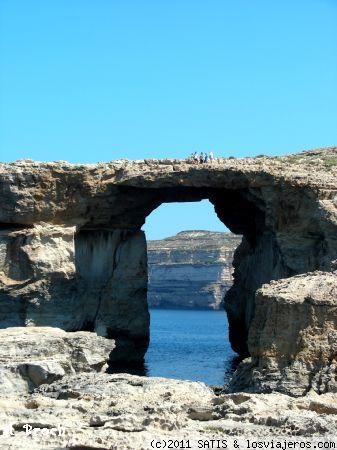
[190, 345]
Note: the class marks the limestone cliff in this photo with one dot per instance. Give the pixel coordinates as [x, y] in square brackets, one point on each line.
[73, 255]
[190, 270]
[51, 275]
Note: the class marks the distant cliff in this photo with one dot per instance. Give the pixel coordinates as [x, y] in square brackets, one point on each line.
[191, 270]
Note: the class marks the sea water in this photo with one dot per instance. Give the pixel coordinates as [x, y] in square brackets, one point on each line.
[190, 345]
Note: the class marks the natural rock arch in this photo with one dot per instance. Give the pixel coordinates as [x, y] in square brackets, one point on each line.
[73, 255]
[241, 215]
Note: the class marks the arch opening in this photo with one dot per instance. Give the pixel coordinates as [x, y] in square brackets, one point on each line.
[189, 271]
[242, 212]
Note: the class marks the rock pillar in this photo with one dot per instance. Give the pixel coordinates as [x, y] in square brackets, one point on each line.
[86, 280]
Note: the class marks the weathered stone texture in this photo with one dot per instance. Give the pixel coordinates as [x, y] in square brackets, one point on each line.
[32, 356]
[293, 337]
[93, 410]
[52, 382]
[43, 282]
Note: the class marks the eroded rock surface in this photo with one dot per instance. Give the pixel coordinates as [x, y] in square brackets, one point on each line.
[94, 411]
[191, 270]
[31, 356]
[293, 337]
[95, 281]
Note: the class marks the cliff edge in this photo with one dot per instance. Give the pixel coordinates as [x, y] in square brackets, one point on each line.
[192, 269]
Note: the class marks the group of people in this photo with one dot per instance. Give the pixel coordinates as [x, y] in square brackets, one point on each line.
[202, 157]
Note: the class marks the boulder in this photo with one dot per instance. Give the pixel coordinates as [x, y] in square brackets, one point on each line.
[31, 356]
[293, 338]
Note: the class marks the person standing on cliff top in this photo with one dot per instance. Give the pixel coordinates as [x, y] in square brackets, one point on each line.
[211, 156]
[193, 158]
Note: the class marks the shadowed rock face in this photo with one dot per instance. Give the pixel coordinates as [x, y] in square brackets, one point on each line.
[73, 256]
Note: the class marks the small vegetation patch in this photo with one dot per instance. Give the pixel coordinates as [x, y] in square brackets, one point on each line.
[78, 167]
[330, 161]
[294, 159]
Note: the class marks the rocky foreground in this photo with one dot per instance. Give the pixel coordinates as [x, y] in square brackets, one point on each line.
[191, 270]
[58, 397]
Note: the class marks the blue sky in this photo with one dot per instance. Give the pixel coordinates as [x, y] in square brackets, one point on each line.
[88, 81]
